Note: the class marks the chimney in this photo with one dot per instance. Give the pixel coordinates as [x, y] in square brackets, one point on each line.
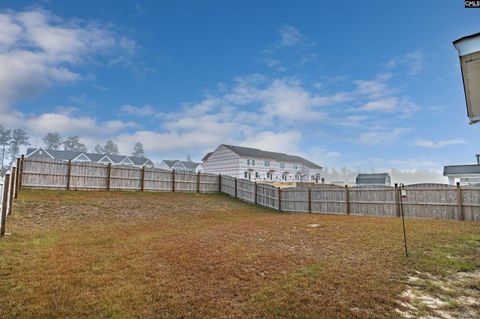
[478, 158]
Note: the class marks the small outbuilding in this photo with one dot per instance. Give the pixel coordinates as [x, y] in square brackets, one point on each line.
[373, 179]
[467, 174]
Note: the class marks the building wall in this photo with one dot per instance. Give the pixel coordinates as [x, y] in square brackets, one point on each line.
[224, 161]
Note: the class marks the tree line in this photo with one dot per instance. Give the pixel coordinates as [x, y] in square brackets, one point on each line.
[12, 140]
[54, 141]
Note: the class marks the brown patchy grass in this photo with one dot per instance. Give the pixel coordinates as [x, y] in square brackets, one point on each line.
[170, 255]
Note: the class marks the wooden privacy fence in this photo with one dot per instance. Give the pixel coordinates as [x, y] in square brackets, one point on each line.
[423, 200]
[93, 176]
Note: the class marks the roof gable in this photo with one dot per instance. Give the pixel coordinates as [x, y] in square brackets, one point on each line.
[39, 151]
[105, 159]
[82, 158]
[127, 161]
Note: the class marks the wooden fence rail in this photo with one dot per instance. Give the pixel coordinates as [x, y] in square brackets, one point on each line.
[423, 200]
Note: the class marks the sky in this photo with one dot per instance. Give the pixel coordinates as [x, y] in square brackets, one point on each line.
[370, 85]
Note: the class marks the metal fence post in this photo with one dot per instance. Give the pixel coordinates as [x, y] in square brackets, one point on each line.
[142, 186]
[255, 193]
[173, 181]
[6, 183]
[460, 211]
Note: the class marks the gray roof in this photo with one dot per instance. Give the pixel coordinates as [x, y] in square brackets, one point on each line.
[206, 156]
[256, 153]
[461, 169]
[373, 179]
[188, 165]
[94, 157]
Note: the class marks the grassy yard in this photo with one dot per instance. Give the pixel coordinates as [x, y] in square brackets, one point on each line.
[140, 255]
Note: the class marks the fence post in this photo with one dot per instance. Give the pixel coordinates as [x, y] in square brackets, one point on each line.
[17, 177]
[235, 187]
[309, 199]
[219, 183]
[347, 200]
[109, 172]
[397, 200]
[279, 198]
[12, 189]
[69, 173]
[460, 212]
[255, 192]
[198, 182]
[21, 173]
[173, 181]
[6, 182]
[142, 186]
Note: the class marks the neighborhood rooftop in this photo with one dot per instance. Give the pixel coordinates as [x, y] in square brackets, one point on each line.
[461, 169]
[373, 179]
[63, 155]
[187, 164]
[256, 153]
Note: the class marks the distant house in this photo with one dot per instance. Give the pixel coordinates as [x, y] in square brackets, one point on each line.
[183, 166]
[259, 165]
[373, 179]
[77, 156]
[468, 174]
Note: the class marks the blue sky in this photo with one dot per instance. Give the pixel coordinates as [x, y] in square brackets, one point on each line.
[370, 85]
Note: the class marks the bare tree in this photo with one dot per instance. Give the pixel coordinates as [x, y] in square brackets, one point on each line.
[72, 143]
[53, 141]
[138, 150]
[5, 137]
[19, 138]
[110, 148]
[98, 149]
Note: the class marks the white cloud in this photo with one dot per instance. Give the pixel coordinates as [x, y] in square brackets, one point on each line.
[290, 36]
[439, 144]
[413, 61]
[381, 135]
[145, 110]
[38, 49]
[390, 104]
[375, 88]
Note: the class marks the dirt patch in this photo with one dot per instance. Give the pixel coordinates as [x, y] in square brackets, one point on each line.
[450, 297]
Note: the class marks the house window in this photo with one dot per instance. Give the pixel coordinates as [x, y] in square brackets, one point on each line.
[245, 175]
[256, 175]
[253, 162]
[295, 166]
[248, 162]
[267, 163]
[282, 165]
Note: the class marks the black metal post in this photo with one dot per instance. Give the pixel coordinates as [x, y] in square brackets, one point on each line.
[403, 220]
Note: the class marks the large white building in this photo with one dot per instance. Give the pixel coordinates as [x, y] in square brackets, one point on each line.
[259, 165]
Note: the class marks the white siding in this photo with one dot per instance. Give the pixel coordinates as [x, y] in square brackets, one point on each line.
[224, 161]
